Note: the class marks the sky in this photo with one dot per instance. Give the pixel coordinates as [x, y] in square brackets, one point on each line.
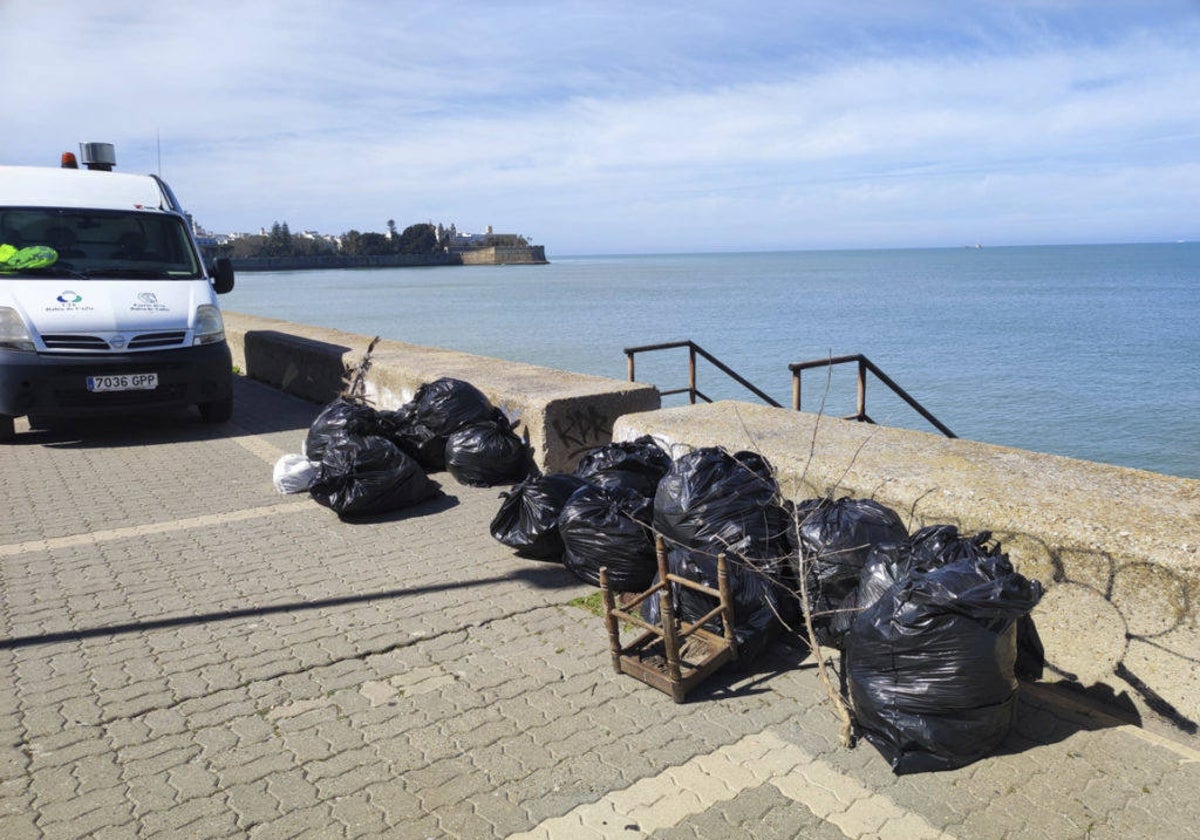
[633, 127]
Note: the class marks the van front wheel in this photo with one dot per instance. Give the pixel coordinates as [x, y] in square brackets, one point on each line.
[7, 430]
[217, 411]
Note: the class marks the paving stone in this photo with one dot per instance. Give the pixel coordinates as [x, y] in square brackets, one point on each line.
[410, 677]
[358, 816]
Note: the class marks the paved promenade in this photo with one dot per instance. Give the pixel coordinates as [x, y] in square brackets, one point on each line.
[186, 653]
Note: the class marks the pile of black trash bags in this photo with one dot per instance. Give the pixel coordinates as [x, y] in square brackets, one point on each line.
[707, 502]
[934, 627]
[359, 461]
[934, 630]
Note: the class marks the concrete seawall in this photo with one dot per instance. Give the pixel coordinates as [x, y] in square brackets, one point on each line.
[1117, 549]
[561, 414]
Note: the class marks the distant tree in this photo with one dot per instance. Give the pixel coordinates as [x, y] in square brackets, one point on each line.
[375, 244]
[419, 239]
[352, 244]
[279, 240]
[248, 246]
[391, 226]
[506, 240]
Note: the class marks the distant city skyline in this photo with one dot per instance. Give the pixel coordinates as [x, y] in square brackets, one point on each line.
[624, 127]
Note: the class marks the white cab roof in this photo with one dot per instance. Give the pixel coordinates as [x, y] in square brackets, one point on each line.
[41, 186]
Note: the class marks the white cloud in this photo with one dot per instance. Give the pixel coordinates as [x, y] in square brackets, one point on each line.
[683, 127]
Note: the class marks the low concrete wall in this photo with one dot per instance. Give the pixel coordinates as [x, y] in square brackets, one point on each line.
[1117, 549]
[561, 414]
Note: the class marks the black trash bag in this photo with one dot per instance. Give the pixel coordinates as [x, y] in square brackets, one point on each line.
[422, 425]
[340, 418]
[937, 545]
[886, 565]
[835, 539]
[610, 528]
[368, 475]
[930, 665]
[446, 405]
[636, 464]
[528, 517]
[417, 441]
[488, 453]
[763, 604]
[713, 501]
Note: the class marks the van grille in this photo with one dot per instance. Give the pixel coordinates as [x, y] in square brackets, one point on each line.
[95, 344]
[163, 339]
[75, 342]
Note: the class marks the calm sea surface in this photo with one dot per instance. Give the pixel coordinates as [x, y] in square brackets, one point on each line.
[1087, 351]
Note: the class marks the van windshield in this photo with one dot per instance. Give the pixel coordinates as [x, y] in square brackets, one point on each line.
[95, 243]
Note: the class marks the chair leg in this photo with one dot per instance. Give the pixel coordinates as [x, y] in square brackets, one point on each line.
[610, 621]
[726, 603]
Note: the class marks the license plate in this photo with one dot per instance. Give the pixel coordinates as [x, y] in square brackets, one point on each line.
[123, 382]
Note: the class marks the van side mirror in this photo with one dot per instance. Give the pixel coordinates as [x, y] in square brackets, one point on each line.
[222, 272]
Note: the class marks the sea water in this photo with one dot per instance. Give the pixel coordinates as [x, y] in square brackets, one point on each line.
[1087, 351]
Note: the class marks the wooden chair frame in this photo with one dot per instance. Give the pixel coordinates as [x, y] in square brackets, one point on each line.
[636, 659]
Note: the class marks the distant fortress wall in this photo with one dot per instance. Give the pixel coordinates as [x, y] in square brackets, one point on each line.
[487, 255]
[504, 255]
[306, 263]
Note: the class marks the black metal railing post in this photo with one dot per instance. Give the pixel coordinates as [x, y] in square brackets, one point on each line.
[691, 373]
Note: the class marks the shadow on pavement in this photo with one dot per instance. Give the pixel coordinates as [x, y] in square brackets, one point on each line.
[143, 429]
[541, 578]
[257, 409]
[437, 504]
[745, 678]
[1045, 713]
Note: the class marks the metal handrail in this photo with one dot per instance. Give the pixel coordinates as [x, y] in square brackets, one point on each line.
[691, 390]
[864, 365]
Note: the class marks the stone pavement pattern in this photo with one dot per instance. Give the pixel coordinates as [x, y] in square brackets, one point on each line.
[186, 653]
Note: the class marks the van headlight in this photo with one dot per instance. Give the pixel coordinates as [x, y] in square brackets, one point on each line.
[14, 335]
[210, 328]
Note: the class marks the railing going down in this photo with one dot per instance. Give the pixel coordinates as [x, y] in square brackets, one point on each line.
[864, 365]
[691, 390]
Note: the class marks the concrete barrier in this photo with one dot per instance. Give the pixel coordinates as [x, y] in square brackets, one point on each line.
[1117, 549]
[561, 414]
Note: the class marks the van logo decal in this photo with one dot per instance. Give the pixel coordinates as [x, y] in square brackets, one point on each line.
[70, 301]
[117, 342]
[148, 302]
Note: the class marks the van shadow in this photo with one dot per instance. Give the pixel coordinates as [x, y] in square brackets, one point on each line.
[258, 409]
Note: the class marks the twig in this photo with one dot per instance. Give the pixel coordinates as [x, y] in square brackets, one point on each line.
[356, 377]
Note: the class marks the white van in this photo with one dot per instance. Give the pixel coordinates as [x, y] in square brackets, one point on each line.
[106, 307]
